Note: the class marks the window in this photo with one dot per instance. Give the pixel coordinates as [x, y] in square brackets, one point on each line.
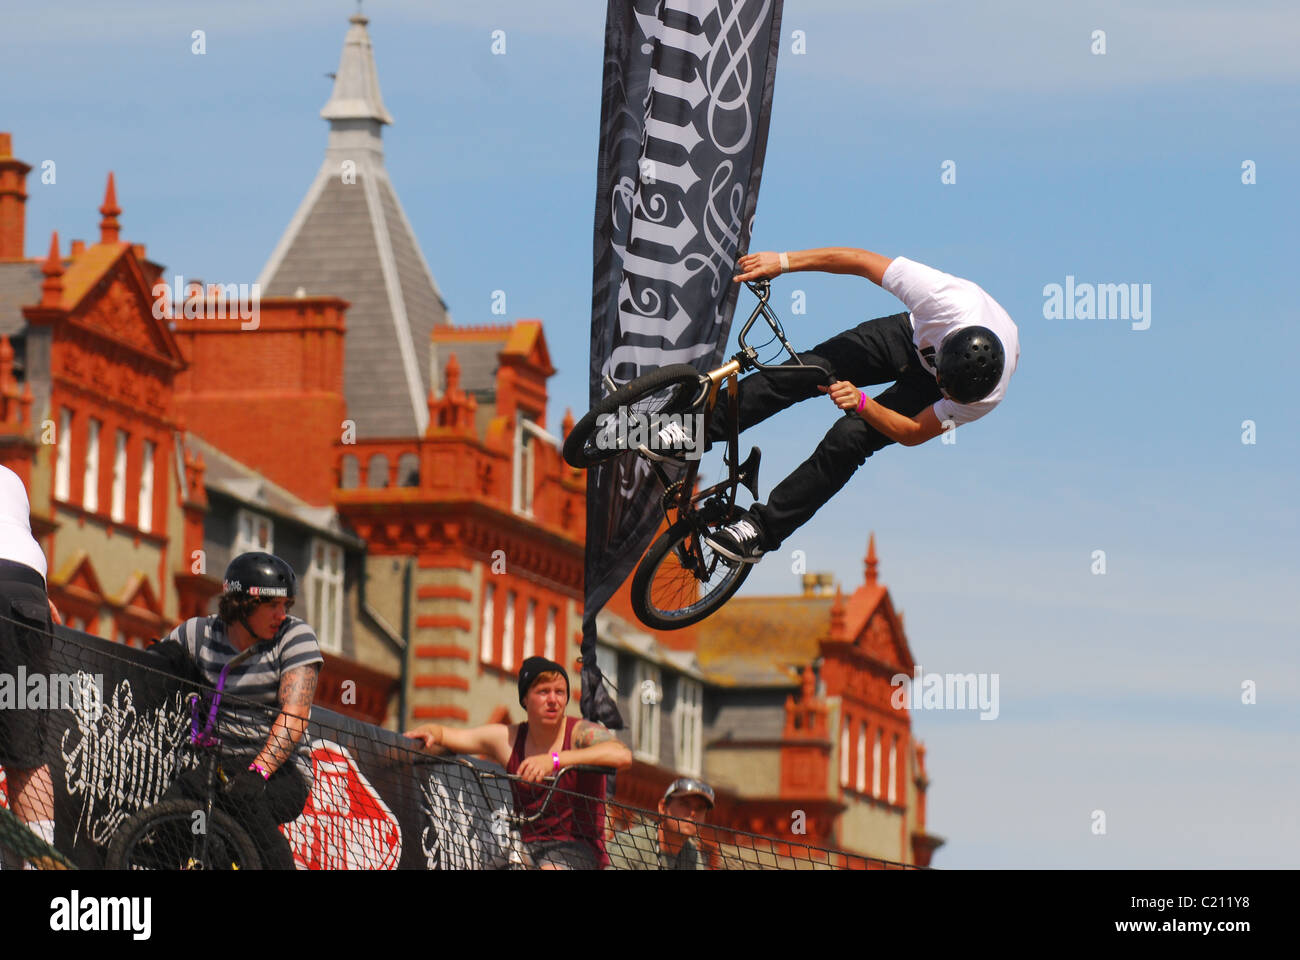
[252, 533]
[689, 718]
[530, 629]
[63, 465]
[548, 651]
[508, 634]
[875, 765]
[117, 507]
[893, 769]
[377, 471]
[844, 753]
[485, 630]
[647, 693]
[862, 758]
[145, 522]
[324, 589]
[90, 489]
[523, 466]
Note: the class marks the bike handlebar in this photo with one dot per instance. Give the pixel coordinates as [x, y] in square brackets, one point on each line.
[763, 290]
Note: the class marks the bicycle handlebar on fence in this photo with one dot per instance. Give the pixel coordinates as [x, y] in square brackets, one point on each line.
[479, 775]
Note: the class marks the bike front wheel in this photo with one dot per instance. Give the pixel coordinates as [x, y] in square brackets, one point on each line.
[681, 579]
[672, 389]
[169, 836]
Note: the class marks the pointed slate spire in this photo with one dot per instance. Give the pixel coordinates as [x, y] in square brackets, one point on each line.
[355, 108]
[350, 238]
[109, 227]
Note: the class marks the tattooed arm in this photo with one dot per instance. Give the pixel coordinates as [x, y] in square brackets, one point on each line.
[594, 745]
[297, 689]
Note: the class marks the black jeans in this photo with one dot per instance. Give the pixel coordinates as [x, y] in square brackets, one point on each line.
[283, 801]
[877, 351]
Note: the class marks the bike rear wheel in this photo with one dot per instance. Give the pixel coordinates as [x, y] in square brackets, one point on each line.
[672, 389]
[162, 837]
[681, 579]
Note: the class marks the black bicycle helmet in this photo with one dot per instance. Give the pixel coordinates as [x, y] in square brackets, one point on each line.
[262, 576]
[970, 363]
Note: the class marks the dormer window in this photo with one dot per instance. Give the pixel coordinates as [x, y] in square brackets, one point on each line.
[252, 533]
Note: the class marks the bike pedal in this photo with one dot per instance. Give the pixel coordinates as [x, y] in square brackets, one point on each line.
[748, 473]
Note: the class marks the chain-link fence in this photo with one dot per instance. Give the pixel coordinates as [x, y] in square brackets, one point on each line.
[134, 759]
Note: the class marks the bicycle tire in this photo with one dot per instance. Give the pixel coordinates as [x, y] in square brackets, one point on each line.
[166, 828]
[580, 448]
[650, 591]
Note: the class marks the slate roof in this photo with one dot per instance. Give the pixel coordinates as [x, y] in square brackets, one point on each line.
[763, 641]
[20, 286]
[352, 240]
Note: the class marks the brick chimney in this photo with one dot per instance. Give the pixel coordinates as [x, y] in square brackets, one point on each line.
[13, 201]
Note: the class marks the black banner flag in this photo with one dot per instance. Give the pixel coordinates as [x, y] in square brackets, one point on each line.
[686, 99]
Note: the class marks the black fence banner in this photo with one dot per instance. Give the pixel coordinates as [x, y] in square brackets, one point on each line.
[686, 100]
[118, 735]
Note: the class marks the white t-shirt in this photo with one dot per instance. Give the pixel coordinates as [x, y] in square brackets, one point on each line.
[16, 540]
[940, 303]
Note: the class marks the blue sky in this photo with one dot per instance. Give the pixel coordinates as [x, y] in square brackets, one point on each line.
[1119, 692]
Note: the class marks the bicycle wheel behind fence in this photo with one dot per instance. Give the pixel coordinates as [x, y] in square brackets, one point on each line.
[681, 579]
[672, 389]
[169, 836]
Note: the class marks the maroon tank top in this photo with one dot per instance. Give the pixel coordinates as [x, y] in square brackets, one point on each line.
[566, 817]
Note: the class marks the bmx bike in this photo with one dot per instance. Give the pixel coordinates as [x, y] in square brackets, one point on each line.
[682, 579]
[171, 834]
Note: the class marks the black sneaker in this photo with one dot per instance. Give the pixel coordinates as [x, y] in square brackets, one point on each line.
[738, 541]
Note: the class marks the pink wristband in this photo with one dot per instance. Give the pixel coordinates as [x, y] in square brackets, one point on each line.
[555, 759]
[260, 769]
[862, 400]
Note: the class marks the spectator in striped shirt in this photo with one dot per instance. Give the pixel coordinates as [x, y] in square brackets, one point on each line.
[266, 698]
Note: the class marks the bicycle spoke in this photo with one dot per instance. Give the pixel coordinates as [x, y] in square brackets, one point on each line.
[689, 573]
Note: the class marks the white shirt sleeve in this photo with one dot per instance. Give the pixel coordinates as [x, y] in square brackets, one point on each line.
[961, 413]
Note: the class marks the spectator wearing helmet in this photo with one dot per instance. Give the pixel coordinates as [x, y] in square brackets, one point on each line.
[671, 843]
[26, 615]
[567, 831]
[271, 662]
[949, 360]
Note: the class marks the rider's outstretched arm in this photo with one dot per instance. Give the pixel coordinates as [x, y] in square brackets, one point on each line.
[861, 263]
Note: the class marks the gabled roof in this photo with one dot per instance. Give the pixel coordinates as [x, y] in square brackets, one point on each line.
[138, 597]
[122, 305]
[350, 238]
[766, 641]
[77, 576]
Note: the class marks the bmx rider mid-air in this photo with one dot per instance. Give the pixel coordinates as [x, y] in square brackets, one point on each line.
[949, 359]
